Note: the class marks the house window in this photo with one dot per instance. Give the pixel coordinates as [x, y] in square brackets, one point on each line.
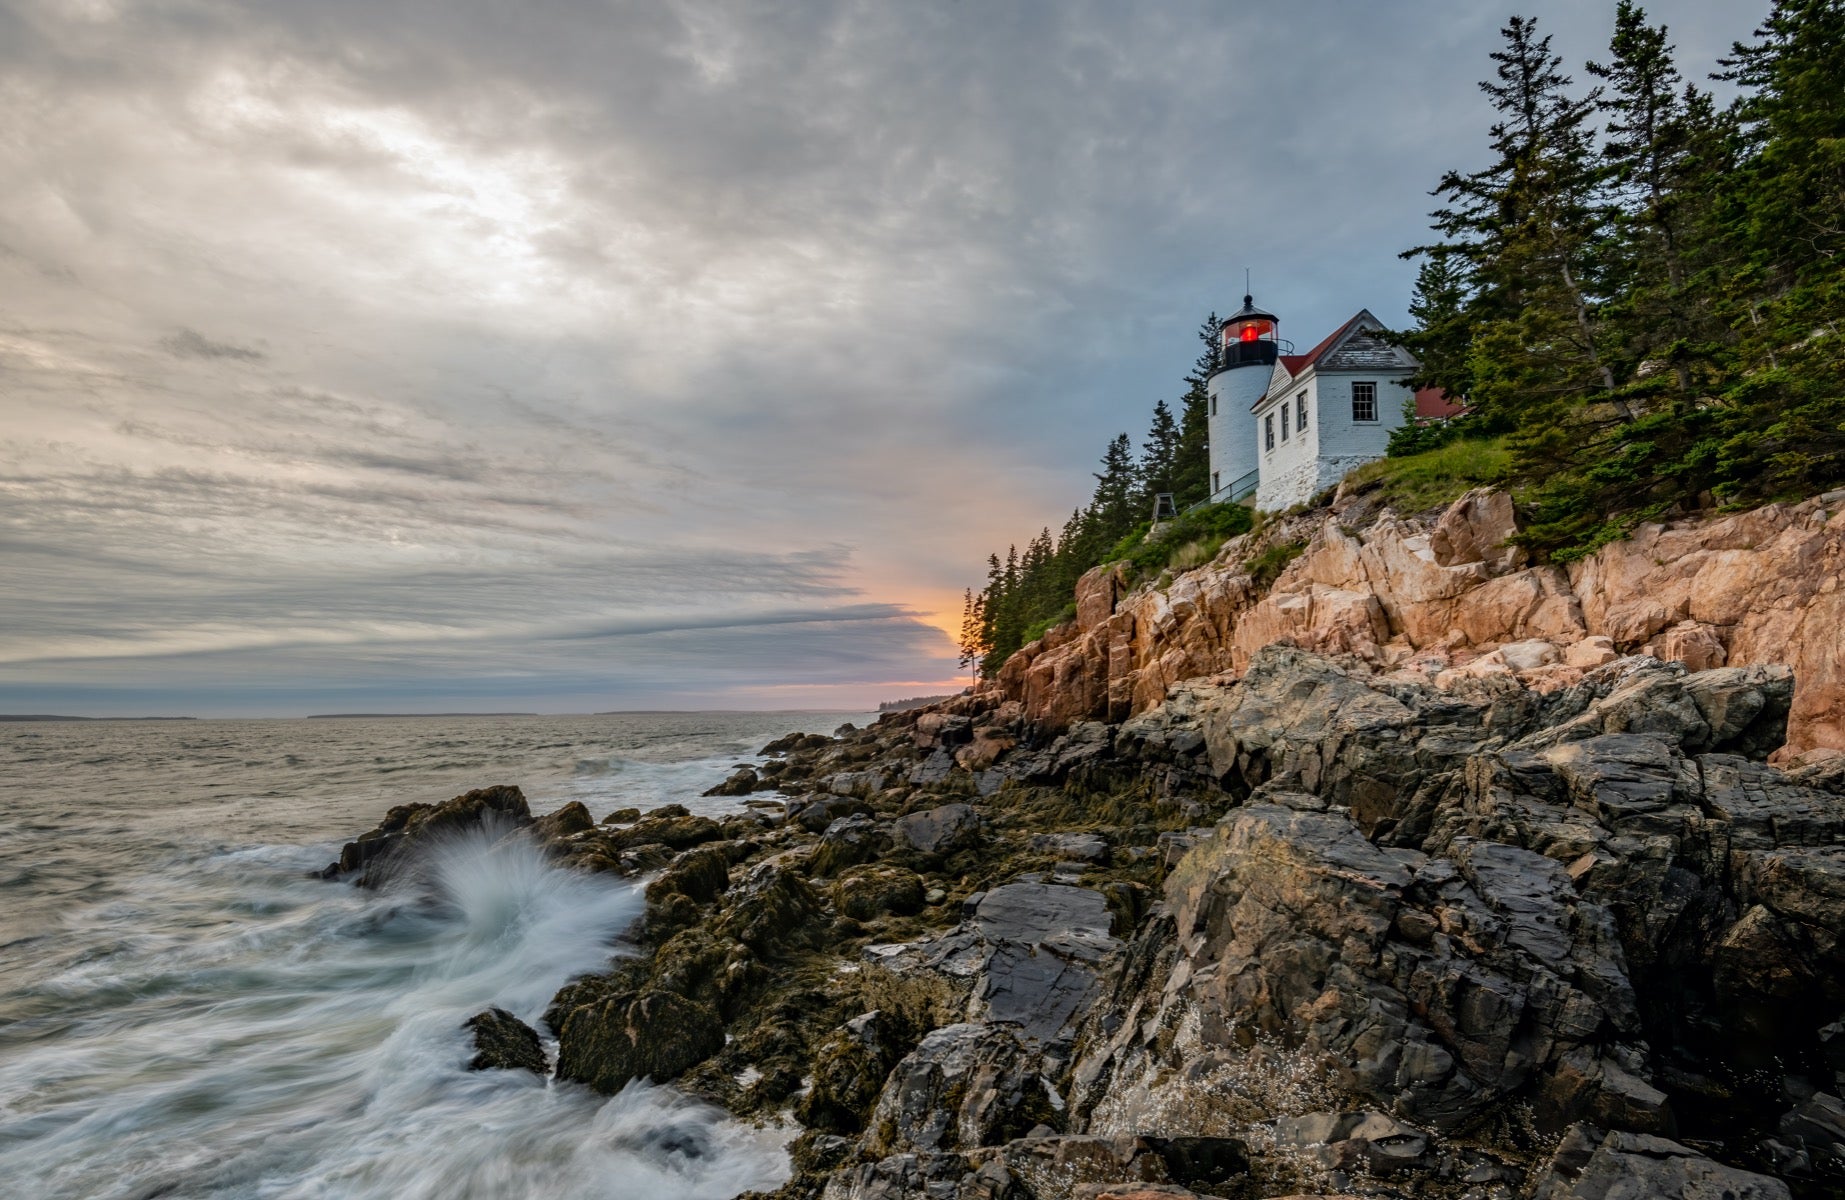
[1284, 421]
[1216, 487]
[1364, 402]
[1213, 405]
[1268, 431]
[1300, 411]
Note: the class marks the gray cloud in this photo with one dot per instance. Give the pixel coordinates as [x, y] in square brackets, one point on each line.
[746, 330]
[189, 343]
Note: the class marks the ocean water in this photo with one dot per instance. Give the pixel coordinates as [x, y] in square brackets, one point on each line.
[184, 1012]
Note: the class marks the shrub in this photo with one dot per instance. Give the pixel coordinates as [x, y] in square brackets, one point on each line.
[1188, 540]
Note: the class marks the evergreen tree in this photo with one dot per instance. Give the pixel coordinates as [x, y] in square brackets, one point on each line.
[1191, 468]
[972, 642]
[1528, 231]
[1658, 138]
[1159, 457]
[1117, 485]
[1442, 340]
[1784, 422]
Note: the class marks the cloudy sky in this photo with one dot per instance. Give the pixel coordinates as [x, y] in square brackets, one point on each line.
[578, 354]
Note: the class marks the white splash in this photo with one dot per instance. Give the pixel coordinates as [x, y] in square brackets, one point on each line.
[256, 1034]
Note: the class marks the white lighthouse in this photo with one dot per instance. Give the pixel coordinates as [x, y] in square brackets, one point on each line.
[1246, 353]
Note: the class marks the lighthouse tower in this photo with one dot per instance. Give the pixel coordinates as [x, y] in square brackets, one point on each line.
[1246, 353]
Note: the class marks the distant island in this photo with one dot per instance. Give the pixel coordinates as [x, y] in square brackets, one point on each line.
[56, 717]
[912, 702]
[374, 716]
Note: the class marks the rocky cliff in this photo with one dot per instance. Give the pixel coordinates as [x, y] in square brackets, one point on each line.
[1447, 598]
[1423, 873]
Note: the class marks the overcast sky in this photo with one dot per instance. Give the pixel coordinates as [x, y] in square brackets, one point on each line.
[562, 356]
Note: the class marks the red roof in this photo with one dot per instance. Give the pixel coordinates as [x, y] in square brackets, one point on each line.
[1433, 402]
[1296, 363]
[1312, 356]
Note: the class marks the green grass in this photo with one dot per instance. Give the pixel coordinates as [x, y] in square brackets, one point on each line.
[1186, 541]
[1267, 566]
[1436, 478]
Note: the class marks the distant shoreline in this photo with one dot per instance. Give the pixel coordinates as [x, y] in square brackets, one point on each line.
[56, 717]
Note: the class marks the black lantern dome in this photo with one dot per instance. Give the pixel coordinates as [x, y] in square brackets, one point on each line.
[1248, 338]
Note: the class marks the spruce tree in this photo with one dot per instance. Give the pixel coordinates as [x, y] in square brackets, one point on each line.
[1116, 486]
[972, 642]
[1785, 415]
[1191, 469]
[1657, 135]
[1528, 231]
[1159, 456]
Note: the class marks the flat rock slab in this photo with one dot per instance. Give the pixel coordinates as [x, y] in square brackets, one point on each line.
[1045, 939]
[1033, 912]
[1030, 951]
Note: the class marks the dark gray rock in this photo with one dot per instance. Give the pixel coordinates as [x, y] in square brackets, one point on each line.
[1054, 1165]
[741, 782]
[850, 841]
[938, 830]
[504, 1042]
[409, 828]
[1746, 708]
[610, 1040]
[936, 768]
[1591, 1166]
[964, 1086]
[573, 818]
[1817, 1127]
[1443, 986]
[908, 1177]
[1072, 847]
[816, 810]
[862, 784]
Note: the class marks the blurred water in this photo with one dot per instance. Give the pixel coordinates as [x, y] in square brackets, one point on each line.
[184, 1012]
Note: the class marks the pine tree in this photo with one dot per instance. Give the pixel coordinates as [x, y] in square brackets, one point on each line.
[1784, 421]
[1159, 456]
[1658, 137]
[972, 642]
[1442, 340]
[1191, 468]
[1116, 486]
[1528, 232]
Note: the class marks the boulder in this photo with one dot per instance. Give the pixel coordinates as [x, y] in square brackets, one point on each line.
[1476, 528]
[657, 1035]
[504, 1042]
[741, 782]
[1072, 847]
[1055, 1164]
[1044, 944]
[816, 810]
[1817, 1127]
[938, 830]
[408, 828]
[866, 893]
[1591, 652]
[1590, 1165]
[964, 1086]
[700, 875]
[848, 842]
[849, 1070]
[573, 818]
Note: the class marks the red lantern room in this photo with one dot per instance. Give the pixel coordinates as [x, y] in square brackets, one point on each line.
[1248, 337]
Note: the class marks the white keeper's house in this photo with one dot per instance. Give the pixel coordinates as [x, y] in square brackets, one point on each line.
[1286, 426]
